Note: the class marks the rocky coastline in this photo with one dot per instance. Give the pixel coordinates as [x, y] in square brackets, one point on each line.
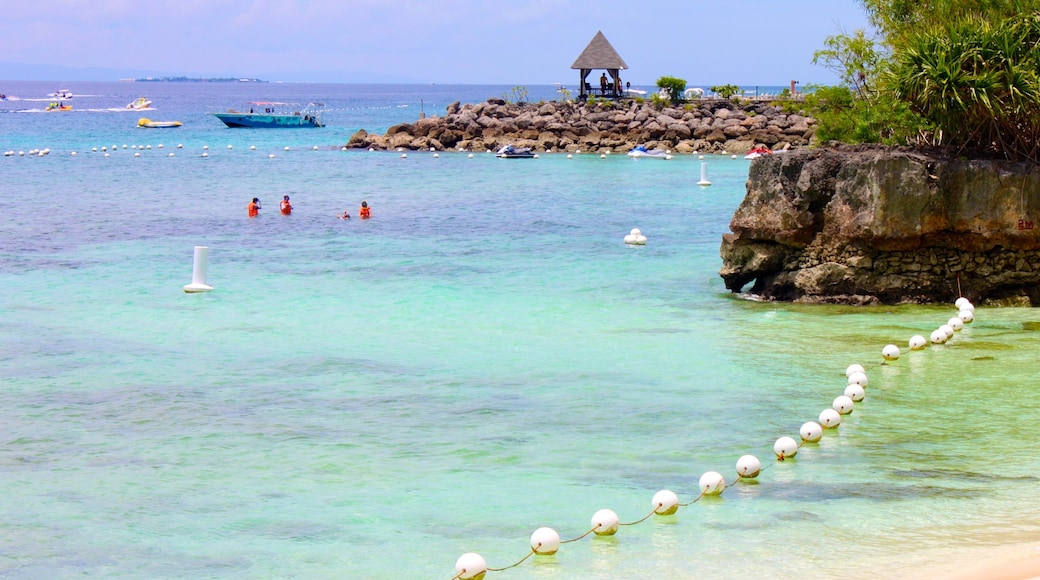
[708, 126]
[865, 225]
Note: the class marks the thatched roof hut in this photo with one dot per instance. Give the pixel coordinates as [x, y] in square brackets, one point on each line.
[599, 54]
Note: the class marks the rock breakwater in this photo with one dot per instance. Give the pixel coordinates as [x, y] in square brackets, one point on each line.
[710, 126]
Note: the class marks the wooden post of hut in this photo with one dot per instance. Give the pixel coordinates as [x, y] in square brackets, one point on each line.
[600, 55]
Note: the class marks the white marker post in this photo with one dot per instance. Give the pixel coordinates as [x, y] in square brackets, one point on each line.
[198, 271]
[704, 175]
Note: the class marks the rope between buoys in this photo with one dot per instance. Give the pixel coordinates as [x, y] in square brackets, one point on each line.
[694, 500]
[579, 537]
[459, 575]
[521, 561]
[642, 519]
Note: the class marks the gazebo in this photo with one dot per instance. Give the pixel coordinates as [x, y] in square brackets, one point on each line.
[599, 54]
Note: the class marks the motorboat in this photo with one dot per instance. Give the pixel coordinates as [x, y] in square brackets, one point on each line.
[510, 152]
[272, 115]
[139, 104]
[145, 123]
[58, 107]
[758, 152]
[63, 94]
[641, 151]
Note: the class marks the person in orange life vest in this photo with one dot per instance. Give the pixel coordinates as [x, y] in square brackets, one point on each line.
[365, 212]
[285, 206]
[254, 207]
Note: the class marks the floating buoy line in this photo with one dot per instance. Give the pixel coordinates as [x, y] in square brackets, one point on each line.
[545, 541]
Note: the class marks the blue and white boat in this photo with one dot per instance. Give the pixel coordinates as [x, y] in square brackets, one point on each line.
[266, 114]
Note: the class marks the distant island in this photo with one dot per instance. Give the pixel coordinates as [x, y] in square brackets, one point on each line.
[194, 80]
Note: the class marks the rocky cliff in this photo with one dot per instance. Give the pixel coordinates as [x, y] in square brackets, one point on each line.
[709, 126]
[866, 225]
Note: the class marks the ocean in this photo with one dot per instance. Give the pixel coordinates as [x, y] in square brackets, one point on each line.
[482, 358]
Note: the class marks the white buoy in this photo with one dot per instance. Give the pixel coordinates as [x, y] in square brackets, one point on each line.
[966, 316]
[956, 324]
[106, 154]
[270, 156]
[286, 148]
[315, 148]
[605, 523]
[253, 147]
[811, 432]
[230, 147]
[159, 146]
[137, 154]
[545, 541]
[700, 157]
[569, 156]
[704, 175]
[843, 405]
[179, 146]
[961, 302]
[829, 419]
[748, 466]
[103, 148]
[205, 154]
[602, 156]
[855, 392]
[890, 352]
[170, 155]
[436, 155]
[917, 342]
[858, 379]
[948, 329]
[785, 447]
[635, 238]
[665, 503]
[712, 483]
[938, 337]
[535, 156]
[471, 566]
[470, 156]
[93, 149]
[198, 270]
[73, 153]
[732, 156]
[404, 156]
[854, 368]
[124, 145]
[205, 147]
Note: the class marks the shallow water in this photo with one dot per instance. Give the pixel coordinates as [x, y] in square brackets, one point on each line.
[371, 399]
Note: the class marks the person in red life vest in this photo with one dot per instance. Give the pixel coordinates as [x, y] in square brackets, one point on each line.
[285, 206]
[254, 207]
[365, 212]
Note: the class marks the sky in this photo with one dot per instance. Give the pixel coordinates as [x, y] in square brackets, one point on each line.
[515, 42]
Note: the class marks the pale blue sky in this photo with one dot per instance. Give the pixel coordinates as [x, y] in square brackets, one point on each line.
[744, 42]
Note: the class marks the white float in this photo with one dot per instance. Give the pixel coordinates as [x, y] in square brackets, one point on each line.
[843, 405]
[712, 483]
[286, 148]
[785, 447]
[917, 342]
[966, 316]
[665, 502]
[404, 156]
[961, 302]
[205, 147]
[569, 156]
[749, 466]
[635, 238]
[470, 156]
[436, 155]
[271, 156]
[205, 154]
[811, 432]
[471, 566]
[938, 337]
[855, 392]
[858, 379]
[948, 330]
[605, 522]
[253, 147]
[230, 147]
[854, 368]
[315, 148]
[545, 541]
[829, 419]
[198, 270]
[890, 352]
[956, 324]
[704, 175]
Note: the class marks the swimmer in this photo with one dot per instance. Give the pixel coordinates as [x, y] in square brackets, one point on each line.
[365, 212]
[254, 207]
[345, 216]
[285, 206]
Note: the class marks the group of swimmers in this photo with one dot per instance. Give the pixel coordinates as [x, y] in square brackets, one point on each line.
[285, 207]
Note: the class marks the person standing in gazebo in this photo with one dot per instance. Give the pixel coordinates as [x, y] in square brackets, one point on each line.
[603, 84]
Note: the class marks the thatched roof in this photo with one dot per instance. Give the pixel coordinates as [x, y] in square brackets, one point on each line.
[599, 54]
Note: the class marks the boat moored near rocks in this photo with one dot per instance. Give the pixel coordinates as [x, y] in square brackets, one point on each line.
[274, 115]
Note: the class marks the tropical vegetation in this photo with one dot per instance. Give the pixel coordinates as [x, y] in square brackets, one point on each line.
[673, 86]
[958, 73]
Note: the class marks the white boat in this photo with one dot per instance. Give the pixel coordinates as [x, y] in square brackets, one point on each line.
[758, 152]
[61, 94]
[641, 151]
[139, 104]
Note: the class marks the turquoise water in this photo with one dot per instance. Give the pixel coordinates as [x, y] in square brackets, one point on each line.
[482, 358]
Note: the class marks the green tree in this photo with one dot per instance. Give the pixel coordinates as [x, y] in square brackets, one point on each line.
[673, 86]
[725, 91]
[854, 58]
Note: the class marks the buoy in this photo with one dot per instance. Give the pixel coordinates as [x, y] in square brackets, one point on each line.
[179, 146]
[286, 147]
[470, 156]
[436, 155]
[948, 330]
[829, 419]
[315, 148]
[858, 378]
[665, 503]
[404, 156]
[103, 148]
[124, 145]
[956, 324]
[635, 238]
[73, 153]
[535, 155]
[431, 149]
[704, 175]
[106, 154]
[785, 447]
[712, 483]
[748, 466]
[602, 155]
[938, 337]
[400, 149]
[966, 316]
[917, 342]
[370, 149]
[205, 147]
[961, 302]
[843, 405]
[890, 352]
[605, 523]
[471, 566]
[93, 149]
[170, 155]
[253, 147]
[198, 270]
[545, 541]
[569, 156]
[271, 156]
[854, 368]
[135, 147]
[855, 392]
[159, 146]
[732, 156]
[811, 432]
[137, 154]
[700, 157]
[205, 154]
[230, 147]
